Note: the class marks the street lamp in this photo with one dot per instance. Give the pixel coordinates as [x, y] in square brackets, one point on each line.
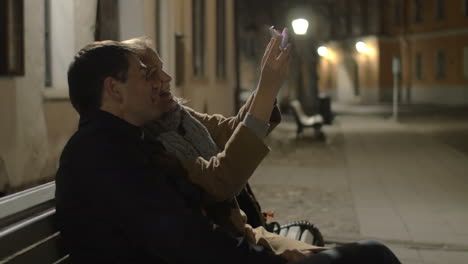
[361, 47]
[323, 51]
[300, 26]
[308, 59]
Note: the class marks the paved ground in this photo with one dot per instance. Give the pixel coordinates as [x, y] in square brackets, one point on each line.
[405, 183]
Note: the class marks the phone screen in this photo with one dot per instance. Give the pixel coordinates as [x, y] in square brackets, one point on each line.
[275, 33]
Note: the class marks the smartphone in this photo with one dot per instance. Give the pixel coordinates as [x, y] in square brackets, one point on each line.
[275, 33]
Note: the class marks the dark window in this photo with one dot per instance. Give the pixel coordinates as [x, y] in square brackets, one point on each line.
[397, 14]
[107, 20]
[158, 20]
[11, 37]
[357, 17]
[418, 11]
[179, 59]
[465, 62]
[418, 67]
[439, 9]
[47, 45]
[440, 64]
[220, 39]
[465, 7]
[198, 37]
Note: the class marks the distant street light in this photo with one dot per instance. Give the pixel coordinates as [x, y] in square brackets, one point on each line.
[300, 26]
[323, 51]
[361, 47]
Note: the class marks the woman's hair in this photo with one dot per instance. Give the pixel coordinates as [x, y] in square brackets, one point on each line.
[140, 47]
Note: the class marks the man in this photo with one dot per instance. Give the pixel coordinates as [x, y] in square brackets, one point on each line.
[114, 203]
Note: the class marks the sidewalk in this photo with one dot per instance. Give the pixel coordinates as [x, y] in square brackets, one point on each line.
[374, 178]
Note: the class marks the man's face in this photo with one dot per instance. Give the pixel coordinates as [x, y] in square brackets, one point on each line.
[140, 96]
[161, 79]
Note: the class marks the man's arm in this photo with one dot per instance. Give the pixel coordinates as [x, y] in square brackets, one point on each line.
[160, 220]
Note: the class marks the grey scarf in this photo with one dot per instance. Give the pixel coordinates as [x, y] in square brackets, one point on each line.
[182, 135]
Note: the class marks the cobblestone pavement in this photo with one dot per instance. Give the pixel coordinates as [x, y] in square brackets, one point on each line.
[307, 179]
[400, 182]
[307, 160]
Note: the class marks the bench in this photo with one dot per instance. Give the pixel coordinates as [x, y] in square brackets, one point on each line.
[303, 121]
[28, 232]
[299, 230]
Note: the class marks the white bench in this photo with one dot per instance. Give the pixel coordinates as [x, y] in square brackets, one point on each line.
[304, 121]
[28, 232]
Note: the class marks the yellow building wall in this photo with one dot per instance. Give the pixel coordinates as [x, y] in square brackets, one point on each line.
[453, 48]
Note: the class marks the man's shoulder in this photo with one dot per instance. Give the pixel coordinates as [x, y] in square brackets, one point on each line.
[87, 147]
[86, 140]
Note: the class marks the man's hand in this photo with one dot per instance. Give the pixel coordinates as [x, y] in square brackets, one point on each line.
[295, 255]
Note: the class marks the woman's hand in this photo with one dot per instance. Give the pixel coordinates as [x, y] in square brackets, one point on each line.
[274, 67]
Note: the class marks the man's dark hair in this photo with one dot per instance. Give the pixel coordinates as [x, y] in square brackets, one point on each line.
[90, 67]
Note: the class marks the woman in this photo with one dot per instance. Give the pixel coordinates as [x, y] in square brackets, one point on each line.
[212, 149]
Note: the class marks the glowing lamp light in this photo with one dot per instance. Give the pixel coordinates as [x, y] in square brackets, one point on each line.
[361, 47]
[323, 51]
[300, 26]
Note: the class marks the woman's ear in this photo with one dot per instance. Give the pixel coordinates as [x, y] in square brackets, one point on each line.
[112, 89]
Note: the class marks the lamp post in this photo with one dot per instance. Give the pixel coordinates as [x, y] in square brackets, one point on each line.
[308, 56]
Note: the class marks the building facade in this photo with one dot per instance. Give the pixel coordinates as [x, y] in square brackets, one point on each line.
[430, 38]
[194, 38]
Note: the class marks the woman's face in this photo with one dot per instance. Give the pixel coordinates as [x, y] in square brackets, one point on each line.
[161, 80]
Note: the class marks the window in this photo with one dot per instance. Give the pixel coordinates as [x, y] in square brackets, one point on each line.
[440, 65]
[465, 7]
[179, 60]
[465, 62]
[439, 9]
[61, 40]
[397, 14]
[107, 20]
[158, 20]
[220, 39]
[47, 44]
[418, 67]
[198, 37]
[11, 37]
[418, 11]
[357, 17]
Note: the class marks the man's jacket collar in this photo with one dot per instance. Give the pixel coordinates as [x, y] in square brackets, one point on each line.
[109, 121]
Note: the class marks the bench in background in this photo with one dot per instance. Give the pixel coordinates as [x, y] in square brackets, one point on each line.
[303, 121]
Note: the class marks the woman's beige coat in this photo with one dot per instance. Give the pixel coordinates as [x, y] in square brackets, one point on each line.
[224, 175]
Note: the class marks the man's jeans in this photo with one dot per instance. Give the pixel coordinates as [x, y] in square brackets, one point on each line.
[362, 252]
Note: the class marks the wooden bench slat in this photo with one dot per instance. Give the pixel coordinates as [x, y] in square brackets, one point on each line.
[26, 233]
[23, 200]
[64, 260]
[47, 252]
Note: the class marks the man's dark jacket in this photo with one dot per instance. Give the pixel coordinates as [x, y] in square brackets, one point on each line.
[117, 204]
